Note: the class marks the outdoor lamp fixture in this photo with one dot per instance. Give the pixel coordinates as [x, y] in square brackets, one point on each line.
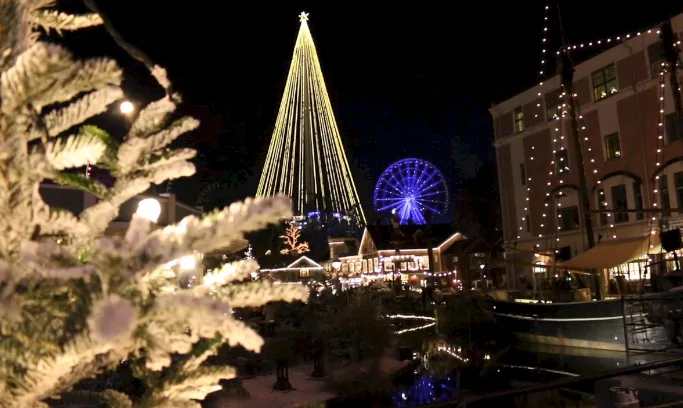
[188, 263]
[336, 264]
[149, 209]
[126, 107]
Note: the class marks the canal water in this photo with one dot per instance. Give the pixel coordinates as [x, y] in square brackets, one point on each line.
[448, 363]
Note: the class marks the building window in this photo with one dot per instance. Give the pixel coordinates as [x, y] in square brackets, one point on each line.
[540, 267]
[678, 184]
[619, 204]
[674, 127]
[612, 146]
[553, 104]
[605, 82]
[665, 202]
[528, 223]
[638, 198]
[304, 273]
[562, 161]
[656, 54]
[522, 173]
[602, 204]
[569, 218]
[519, 120]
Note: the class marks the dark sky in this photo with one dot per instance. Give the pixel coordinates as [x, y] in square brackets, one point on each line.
[412, 79]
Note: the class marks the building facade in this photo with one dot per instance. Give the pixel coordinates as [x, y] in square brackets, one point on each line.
[632, 145]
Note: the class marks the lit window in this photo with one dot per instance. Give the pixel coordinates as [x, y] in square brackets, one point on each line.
[553, 104]
[519, 120]
[612, 146]
[605, 82]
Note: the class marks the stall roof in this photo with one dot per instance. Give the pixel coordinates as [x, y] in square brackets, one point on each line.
[614, 252]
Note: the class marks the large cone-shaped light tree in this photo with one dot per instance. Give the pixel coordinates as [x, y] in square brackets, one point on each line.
[65, 317]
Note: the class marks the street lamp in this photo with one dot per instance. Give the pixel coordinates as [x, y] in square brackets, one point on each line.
[188, 263]
[126, 107]
[149, 209]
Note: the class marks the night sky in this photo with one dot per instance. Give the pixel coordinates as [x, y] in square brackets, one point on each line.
[406, 79]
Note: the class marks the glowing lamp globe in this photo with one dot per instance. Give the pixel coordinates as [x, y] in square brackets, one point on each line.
[188, 263]
[149, 209]
[126, 107]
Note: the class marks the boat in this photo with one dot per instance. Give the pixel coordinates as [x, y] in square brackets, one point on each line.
[646, 319]
[595, 324]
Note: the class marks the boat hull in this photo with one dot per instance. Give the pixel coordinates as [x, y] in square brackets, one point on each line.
[597, 325]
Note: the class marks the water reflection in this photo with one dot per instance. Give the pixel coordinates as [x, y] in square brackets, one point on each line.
[427, 389]
[447, 367]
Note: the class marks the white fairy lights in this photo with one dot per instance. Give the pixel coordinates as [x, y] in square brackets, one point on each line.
[656, 194]
[542, 74]
[306, 158]
[609, 41]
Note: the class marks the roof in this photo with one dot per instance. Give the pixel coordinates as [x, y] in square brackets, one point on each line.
[614, 252]
[409, 236]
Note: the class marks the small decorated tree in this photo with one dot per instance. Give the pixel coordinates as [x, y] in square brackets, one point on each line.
[292, 244]
[74, 302]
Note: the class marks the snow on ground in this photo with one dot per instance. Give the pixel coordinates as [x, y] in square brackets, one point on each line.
[306, 391]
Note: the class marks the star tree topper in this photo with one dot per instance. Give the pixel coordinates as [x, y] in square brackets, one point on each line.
[303, 16]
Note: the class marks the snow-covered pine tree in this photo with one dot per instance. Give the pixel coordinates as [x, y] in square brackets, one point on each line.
[65, 318]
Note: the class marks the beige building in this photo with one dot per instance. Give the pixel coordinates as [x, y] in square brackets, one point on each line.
[632, 146]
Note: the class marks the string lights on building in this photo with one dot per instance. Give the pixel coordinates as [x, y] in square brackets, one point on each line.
[608, 41]
[306, 158]
[656, 193]
[541, 74]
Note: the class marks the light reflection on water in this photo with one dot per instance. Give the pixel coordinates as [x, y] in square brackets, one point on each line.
[446, 365]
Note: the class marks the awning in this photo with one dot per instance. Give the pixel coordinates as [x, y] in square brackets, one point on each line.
[612, 253]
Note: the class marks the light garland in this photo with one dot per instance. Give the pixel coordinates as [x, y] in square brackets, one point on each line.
[609, 41]
[412, 329]
[451, 352]
[306, 157]
[410, 317]
[656, 194]
[541, 74]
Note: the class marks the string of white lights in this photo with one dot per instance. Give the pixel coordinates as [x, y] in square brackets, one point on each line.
[541, 74]
[412, 329]
[609, 41]
[306, 158]
[410, 317]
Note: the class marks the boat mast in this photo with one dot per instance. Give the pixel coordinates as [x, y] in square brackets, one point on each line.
[567, 77]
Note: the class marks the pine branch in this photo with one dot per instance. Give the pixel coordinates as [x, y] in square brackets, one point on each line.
[133, 149]
[81, 182]
[51, 19]
[79, 111]
[74, 151]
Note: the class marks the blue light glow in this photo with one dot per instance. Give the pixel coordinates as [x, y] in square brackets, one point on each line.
[410, 187]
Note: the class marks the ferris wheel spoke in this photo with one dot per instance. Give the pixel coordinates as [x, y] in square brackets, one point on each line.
[432, 209]
[422, 196]
[395, 193]
[430, 183]
[424, 175]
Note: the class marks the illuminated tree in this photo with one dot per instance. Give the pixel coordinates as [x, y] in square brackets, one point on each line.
[65, 317]
[291, 238]
[306, 158]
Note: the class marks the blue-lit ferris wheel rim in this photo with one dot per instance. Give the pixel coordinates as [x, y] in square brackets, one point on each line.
[411, 186]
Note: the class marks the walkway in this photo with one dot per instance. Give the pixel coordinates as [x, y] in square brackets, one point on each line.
[306, 391]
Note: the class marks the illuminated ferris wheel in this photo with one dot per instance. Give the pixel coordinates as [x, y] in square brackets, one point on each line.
[409, 188]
